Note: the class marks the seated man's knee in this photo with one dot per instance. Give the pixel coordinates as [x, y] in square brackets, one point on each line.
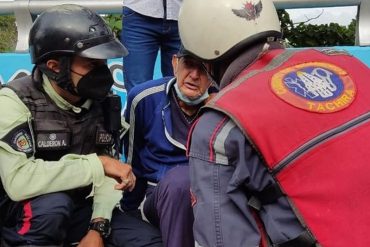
[177, 182]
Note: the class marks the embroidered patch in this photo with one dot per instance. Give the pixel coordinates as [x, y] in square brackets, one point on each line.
[103, 138]
[53, 141]
[249, 11]
[316, 87]
[20, 139]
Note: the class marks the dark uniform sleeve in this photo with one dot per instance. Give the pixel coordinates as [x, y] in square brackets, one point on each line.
[224, 171]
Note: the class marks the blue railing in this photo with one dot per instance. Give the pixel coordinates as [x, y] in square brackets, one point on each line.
[14, 65]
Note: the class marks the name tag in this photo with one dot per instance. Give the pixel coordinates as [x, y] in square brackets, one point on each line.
[53, 141]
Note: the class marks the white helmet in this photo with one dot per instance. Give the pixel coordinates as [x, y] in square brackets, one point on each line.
[214, 29]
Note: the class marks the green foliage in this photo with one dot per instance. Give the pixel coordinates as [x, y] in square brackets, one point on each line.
[8, 33]
[115, 23]
[297, 34]
[308, 35]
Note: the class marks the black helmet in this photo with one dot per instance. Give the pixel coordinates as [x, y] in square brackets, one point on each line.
[72, 30]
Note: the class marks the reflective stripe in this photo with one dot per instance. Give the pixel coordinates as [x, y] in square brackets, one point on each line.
[134, 103]
[197, 244]
[173, 141]
[212, 157]
[152, 183]
[219, 144]
[168, 136]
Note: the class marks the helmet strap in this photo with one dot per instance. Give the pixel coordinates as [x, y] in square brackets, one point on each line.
[62, 78]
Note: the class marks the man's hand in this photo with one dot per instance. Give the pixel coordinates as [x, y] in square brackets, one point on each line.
[121, 172]
[91, 239]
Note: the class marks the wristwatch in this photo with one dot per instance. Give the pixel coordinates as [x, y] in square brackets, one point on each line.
[101, 226]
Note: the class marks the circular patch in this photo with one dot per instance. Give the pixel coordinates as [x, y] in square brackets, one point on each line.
[316, 87]
[22, 141]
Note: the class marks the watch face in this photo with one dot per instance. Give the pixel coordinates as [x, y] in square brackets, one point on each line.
[103, 227]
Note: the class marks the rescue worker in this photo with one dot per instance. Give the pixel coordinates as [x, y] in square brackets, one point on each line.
[56, 155]
[280, 155]
[160, 113]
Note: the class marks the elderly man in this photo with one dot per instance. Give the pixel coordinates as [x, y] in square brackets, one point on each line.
[160, 114]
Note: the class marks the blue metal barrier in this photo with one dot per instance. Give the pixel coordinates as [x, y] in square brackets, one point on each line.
[15, 65]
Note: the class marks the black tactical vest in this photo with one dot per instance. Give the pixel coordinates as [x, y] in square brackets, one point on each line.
[58, 132]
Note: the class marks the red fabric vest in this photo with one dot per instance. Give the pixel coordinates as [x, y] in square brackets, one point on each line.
[307, 114]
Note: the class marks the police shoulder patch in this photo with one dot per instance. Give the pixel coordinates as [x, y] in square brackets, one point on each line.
[20, 139]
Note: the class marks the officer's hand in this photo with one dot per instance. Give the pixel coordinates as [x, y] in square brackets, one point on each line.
[92, 239]
[121, 172]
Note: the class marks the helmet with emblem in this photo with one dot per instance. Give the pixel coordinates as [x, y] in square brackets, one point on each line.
[72, 30]
[212, 30]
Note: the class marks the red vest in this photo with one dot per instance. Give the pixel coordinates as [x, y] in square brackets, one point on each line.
[307, 114]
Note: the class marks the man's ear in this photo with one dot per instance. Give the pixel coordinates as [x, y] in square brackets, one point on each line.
[53, 65]
[175, 61]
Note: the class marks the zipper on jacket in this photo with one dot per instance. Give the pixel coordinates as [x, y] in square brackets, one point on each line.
[319, 140]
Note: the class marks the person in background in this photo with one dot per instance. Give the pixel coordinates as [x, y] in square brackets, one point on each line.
[160, 114]
[274, 156]
[60, 180]
[149, 26]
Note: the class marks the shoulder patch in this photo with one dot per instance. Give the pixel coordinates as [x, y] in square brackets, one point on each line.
[315, 86]
[20, 139]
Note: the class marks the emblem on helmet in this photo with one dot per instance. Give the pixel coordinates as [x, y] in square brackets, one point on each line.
[249, 11]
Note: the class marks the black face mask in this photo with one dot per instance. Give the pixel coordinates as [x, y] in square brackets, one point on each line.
[96, 84]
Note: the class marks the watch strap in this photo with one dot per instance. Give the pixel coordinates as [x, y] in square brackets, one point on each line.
[101, 226]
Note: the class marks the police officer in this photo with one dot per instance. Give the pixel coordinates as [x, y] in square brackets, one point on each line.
[55, 152]
[273, 157]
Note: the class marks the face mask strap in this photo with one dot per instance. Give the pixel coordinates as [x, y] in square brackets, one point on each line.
[187, 100]
[62, 78]
[77, 73]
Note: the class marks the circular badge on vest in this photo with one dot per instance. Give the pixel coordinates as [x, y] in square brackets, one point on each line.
[315, 86]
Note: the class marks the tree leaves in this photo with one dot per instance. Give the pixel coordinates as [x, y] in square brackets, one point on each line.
[8, 33]
[309, 35]
[297, 34]
[115, 23]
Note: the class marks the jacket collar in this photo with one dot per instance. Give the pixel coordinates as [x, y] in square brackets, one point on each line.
[170, 83]
[244, 60]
